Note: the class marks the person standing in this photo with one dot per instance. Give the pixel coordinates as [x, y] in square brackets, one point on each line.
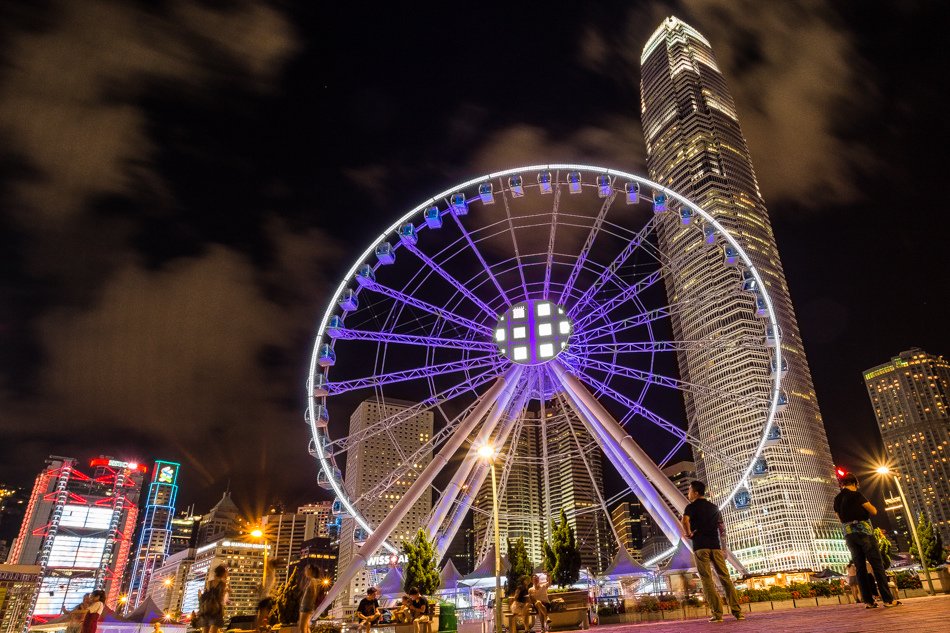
[853, 581]
[367, 611]
[702, 523]
[78, 614]
[97, 602]
[265, 596]
[308, 599]
[855, 512]
[211, 601]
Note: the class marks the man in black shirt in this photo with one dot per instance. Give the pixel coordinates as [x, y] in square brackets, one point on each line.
[367, 612]
[855, 512]
[419, 607]
[702, 523]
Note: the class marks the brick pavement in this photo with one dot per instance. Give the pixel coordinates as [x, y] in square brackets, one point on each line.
[916, 615]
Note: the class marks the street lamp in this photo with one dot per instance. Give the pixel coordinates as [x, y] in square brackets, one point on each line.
[259, 533]
[885, 470]
[487, 452]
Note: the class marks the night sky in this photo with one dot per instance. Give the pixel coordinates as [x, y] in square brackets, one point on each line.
[181, 183]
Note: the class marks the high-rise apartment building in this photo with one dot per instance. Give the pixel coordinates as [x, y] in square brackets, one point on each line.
[323, 510]
[78, 527]
[695, 146]
[627, 517]
[156, 532]
[910, 395]
[166, 587]
[286, 532]
[374, 460]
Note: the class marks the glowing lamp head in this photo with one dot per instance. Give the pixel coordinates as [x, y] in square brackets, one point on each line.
[257, 533]
[123, 599]
[532, 332]
[167, 582]
[882, 470]
[486, 451]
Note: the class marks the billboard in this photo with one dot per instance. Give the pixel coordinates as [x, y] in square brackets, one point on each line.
[165, 472]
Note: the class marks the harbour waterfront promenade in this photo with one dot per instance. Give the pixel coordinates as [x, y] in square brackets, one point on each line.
[920, 615]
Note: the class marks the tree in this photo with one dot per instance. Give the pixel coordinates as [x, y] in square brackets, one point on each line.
[287, 598]
[567, 556]
[422, 564]
[884, 546]
[930, 541]
[519, 566]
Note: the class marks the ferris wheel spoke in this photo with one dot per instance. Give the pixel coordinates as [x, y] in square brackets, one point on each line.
[455, 283]
[611, 270]
[514, 244]
[470, 384]
[636, 408]
[442, 313]
[478, 254]
[626, 295]
[551, 236]
[666, 346]
[676, 447]
[411, 339]
[670, 382]
[585, 249]
[336, 388]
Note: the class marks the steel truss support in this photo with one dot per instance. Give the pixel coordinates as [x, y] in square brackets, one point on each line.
[478, 475]
[442, 313]
[342, 386]
[451, 491]
[419, 486]
[601, 418]
[411, 339]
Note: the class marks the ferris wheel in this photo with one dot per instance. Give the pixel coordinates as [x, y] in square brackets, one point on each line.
[517, 302]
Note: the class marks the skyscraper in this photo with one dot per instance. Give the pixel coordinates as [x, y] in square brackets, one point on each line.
[78, 528]
[910, 396]
[323, 511]
[156, 533]
[286, 532]
[626, 517]
[375, 459]
[224, 519]
[695, 146]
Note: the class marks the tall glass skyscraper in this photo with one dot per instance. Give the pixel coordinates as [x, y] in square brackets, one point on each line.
[695, 146]
[156, 535]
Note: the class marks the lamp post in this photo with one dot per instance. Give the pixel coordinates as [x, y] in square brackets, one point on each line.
[487, 452]
[259, 533]
[885, 470]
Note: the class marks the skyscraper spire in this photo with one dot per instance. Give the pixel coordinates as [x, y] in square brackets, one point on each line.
[696, 147]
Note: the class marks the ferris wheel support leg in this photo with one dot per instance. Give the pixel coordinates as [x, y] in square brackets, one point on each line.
[576, 390]
[477, 477]
[451, 491]
[420, 485]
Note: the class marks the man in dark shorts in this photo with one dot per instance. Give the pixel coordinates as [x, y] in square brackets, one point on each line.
[855, 512]
[419, 607]
[539, 595]
[702, 522]
[367, 612]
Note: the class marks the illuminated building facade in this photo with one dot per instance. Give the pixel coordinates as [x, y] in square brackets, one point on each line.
[167, 585]
[374, 460]
[78, 529]
[910, 396]
[324, 513]
[286, 532]
[184, 531]
[696, 147]
[224, 519]
[17, 588]
[156, 534]
[245, 563]
[627, 517]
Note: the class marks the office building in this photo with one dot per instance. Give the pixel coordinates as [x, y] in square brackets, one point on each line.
[78, 528]
[627, 517]
[695, 146]
[156, 532]
[223, 520]
[166, 587]
[285, 533]
[324, 514]
[372, 461]
[245, 563]
[909, 395]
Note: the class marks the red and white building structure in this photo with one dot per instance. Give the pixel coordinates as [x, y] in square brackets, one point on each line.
[78, 528]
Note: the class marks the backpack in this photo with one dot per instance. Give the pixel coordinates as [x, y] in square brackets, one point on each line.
[208, 601]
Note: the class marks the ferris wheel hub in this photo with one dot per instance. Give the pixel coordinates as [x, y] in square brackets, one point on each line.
[533, 332]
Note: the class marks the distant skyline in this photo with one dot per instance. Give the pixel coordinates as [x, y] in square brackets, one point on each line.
[181, 187]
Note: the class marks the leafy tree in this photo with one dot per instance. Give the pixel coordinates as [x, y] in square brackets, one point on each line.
[567, 556]
[884, 546]
[930, 541]
[519, 566]
[550, 560]
[287, 597]
[422, 564]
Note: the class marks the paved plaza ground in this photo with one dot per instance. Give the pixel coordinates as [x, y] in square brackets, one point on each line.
[919, 615]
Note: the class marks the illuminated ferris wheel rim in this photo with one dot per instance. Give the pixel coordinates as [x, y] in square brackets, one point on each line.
[770, 314]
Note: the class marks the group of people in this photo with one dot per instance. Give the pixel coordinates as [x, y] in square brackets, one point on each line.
[84, 618]
[413, 609]
[526, 599]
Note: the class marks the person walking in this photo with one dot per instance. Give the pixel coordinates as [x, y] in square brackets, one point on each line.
[308, 599]
[855, 512]
[265, 595]
[78, 614]
[702, 523]
[97, 603]
[211, 601]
